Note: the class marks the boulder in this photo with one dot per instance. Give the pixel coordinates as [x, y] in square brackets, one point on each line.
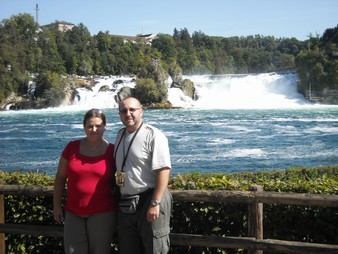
[124, 92]
[186, 85]
[105, 88]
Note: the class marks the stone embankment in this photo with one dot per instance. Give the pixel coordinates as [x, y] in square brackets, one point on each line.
[327, 97]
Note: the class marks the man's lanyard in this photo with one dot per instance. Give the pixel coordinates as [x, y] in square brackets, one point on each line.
[131, 141]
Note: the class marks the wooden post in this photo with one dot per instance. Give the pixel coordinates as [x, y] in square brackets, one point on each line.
[2, 220]
[255, 221]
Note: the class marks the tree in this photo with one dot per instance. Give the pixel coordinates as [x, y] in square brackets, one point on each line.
[317, 66]
[186, 56]
[17, 47]
[50, 59]
[103, 41]
[147, 91]
[310, 68]
[24, 50]
[166, 45]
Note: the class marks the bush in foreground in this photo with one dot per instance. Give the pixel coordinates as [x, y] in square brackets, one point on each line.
[283, 222]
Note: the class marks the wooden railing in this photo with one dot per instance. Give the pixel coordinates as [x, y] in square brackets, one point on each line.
[254, 198]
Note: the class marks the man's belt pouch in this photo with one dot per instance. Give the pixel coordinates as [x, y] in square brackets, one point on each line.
[129, 204]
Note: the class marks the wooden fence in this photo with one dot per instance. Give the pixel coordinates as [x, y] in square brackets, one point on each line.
[254, 198]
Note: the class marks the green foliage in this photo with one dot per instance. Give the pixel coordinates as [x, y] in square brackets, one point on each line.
[17, 44]
[284, 222]
[321, 180]
[50, 86]
[317, 65]
[33, 210]
[147, 91]
[25, 48]
[166, 45]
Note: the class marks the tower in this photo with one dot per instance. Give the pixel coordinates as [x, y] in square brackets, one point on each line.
[37, 14]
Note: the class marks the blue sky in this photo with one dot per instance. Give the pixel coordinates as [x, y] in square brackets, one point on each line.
[278, 18]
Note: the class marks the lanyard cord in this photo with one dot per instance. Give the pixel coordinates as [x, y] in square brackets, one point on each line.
[118, 145]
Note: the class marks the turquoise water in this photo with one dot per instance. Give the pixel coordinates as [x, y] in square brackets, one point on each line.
[205, 140]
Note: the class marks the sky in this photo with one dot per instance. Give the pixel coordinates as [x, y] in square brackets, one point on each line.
[225, 18]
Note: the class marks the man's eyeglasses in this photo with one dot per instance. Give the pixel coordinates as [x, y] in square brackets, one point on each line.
[131, 110]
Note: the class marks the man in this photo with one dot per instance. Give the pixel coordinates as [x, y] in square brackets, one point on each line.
[143, 168]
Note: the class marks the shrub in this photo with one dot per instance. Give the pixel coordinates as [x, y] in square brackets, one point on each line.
[283, 222]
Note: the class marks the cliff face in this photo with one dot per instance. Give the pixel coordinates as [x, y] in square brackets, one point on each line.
[29, 101]
[14, 102]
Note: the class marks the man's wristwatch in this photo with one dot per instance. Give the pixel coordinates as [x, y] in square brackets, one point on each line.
[154, 202]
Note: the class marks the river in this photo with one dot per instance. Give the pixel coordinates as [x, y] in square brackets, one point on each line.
[239, 123]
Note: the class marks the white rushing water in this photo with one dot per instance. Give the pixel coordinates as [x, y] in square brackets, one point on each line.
[261, 91]
[97, 98]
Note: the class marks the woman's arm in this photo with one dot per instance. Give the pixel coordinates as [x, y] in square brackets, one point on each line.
[59, 186]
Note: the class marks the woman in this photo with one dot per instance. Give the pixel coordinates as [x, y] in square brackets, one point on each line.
[86, 166]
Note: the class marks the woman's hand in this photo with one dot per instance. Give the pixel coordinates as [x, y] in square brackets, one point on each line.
[58, 214]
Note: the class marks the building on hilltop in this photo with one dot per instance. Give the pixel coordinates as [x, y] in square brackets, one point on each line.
[62, 26]
[145, 38]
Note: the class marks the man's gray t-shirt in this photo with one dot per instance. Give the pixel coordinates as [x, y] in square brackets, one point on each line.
[148, 152]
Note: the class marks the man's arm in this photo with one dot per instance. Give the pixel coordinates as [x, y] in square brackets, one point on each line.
[161, 184]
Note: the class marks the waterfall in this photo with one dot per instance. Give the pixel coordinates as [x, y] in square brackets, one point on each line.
[103, 93]
[250, 91]
[261, 91]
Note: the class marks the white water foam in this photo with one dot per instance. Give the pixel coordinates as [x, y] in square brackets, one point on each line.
[256, 152]
[261, 91]
[252, 91]
[255, 91]
[178, 99]
[96, 97]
